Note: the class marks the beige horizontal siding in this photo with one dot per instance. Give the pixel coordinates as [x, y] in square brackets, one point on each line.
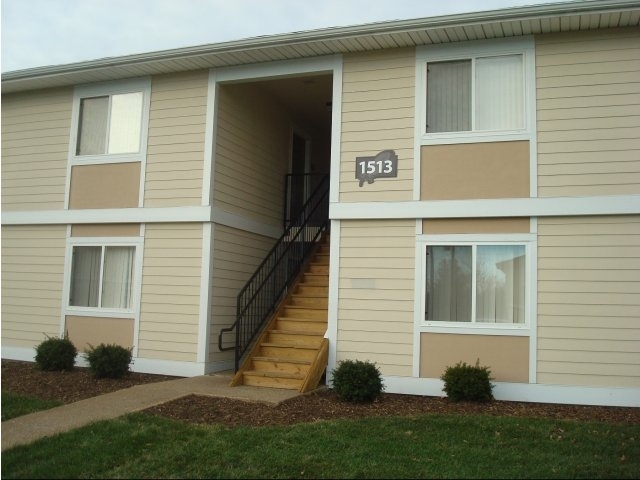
[35, 147]
[378, 103]
[176, 140]
[588, 104]
[236, 255]
[252, 153]
[32, 283]
[589, 301]
[375, 306]
[170, 303]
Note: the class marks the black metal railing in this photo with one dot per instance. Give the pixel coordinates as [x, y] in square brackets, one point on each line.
[297, 187]
[269, 284]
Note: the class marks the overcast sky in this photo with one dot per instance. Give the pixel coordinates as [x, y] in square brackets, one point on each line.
[50, 32]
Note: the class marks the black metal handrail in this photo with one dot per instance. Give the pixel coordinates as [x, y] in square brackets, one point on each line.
[296, 187]
[265, 289]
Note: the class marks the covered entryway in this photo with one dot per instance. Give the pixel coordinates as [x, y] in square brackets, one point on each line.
[273, 146]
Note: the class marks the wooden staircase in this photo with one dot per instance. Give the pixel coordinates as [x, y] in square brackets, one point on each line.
[292, 352]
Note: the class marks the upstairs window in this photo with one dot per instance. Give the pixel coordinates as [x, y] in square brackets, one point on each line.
[110, 122]
[477, 94]
[480, 91]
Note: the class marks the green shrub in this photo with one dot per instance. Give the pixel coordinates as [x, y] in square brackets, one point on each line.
[357, 381]
[108, 361]
[467, 382]
[55, 354]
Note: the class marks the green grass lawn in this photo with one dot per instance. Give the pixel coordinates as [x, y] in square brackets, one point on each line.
[427, 446]
[14, 405]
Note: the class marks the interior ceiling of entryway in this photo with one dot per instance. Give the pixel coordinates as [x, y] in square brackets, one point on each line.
[305, 96]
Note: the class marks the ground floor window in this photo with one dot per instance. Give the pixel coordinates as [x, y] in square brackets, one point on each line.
[102, 276]
[476, 283]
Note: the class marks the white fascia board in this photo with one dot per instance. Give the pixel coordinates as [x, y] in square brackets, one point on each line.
[486, 208]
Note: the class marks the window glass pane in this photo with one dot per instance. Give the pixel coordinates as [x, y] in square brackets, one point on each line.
[85, 276]
[499, 93]
[500, 284]
[92, 129]
[125, 123]
[449, 96]
[449, 271]
[116, 284]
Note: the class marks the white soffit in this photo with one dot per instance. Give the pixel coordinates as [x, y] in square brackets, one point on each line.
[541, 19]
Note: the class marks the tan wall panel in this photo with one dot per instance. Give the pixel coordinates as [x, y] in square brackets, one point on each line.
[175, 157]
[376, 267]
[252, 153]
[475, 170]
[588, 300]
[172, 251]
[378, 104]
[507, 357]
[236, 255]
[588, 86]
[32, 282]
[111, 185]
[436, 226]
[106, 230]
[35, 147]
[92, 331]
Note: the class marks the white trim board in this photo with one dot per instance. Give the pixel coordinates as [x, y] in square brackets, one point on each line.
[195, 214]
[168, 367]
[24, 354]
[488, 208]
[281, 68]
[112, 215]
[525, 392]
[333, 307]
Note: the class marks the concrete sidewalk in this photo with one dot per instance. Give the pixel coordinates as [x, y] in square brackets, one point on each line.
[25, 429]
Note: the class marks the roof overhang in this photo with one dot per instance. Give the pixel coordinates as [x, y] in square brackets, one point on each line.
[539, 19]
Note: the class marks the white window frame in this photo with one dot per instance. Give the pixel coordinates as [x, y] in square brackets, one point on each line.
[142, 85]
[472, 240]
[135, 242]
[470, 51]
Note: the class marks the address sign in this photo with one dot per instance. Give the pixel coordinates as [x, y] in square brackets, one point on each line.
[382, 165]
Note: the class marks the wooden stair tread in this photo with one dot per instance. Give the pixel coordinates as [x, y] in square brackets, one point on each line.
[282, 360]
[296, 332]
[301, 319]
[286, 345]
[259, 373]
[306, 307]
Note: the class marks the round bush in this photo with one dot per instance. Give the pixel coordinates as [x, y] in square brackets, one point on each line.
[108, 361]
[357, 381]
[55, 354]
[464, 382]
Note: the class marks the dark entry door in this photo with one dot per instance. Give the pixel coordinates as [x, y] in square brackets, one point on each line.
[298, 188]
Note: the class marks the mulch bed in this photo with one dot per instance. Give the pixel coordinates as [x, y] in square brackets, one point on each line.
[323, 404]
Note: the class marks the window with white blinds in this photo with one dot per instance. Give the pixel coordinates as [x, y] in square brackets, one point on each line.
[476, 283]
[110, 125]
[110, 122]
[476, 94]
[102, 276]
